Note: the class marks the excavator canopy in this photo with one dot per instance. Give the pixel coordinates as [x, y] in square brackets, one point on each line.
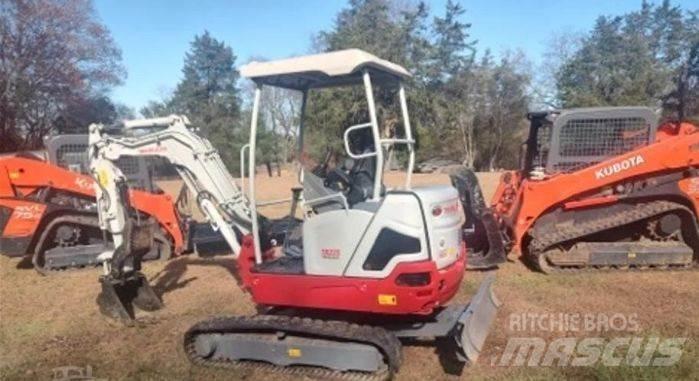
[340, 68]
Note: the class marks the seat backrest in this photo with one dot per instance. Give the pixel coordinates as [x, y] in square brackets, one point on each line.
[314, 188]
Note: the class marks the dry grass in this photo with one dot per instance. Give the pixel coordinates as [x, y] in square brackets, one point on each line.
[47, 322]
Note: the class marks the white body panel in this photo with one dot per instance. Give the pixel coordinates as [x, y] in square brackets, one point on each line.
[444, 229]
[401, 213]
[330, 239]
[339, 242]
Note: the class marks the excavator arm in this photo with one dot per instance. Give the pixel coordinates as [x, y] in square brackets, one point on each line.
[196, 161]
[205, 175]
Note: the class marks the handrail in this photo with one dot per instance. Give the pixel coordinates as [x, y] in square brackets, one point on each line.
[274, 202]
[397, 141]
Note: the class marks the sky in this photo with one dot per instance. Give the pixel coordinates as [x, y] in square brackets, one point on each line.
[155, 34]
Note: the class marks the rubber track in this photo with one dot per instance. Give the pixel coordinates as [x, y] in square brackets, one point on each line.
[45, 270]
[83, 220]
[378, 337]
[538, 245]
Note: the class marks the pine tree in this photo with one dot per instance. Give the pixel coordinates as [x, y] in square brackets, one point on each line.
[639, 58]
[208, 95]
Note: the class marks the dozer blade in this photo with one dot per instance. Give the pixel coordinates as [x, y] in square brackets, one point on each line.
[474, 323]
[484, 241]
[119, 296]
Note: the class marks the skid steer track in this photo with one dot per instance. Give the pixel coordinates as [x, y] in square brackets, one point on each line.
[541, 243]
[85, 256]
[256, 326]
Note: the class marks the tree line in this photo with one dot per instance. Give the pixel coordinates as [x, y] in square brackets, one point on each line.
[58, 63]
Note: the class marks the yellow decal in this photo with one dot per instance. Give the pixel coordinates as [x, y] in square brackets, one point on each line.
[14, 175]
[448, 252]
[632, 255]
[294, 352]
[388, 300]
[103, 176]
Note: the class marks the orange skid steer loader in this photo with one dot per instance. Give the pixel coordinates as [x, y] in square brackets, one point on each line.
[48, 214]
[603, 188]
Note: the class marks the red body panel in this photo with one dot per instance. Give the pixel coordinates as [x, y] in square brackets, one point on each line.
[352, 294]
[21, 178]
[520, 202]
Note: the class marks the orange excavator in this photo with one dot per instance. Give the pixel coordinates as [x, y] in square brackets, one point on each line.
[603, 188]
[48, 213]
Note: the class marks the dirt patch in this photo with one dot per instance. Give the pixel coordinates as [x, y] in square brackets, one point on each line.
[49, 322]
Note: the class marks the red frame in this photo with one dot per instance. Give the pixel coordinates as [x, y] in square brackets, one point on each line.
[351, 293]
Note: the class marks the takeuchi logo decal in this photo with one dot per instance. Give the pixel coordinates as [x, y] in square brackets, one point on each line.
[619, 166]
[154, 149]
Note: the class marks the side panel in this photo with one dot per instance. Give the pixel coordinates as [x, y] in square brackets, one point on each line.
[25, 217]
[400, 216]
[19, 221]
[444, 217]
[344, 293]
[330, 238]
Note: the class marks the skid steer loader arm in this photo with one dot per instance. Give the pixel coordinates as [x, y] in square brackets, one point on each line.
[482, 235]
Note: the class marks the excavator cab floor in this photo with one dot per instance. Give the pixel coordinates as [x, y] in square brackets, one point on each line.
[282, 265]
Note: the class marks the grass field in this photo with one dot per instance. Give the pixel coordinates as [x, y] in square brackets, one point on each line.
[52, 321]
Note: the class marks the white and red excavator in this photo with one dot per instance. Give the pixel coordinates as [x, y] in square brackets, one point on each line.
[365, 267]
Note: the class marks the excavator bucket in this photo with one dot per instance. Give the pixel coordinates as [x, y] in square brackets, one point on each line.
[119, 297]
[474, 323]
[125, 287]
[482, 235]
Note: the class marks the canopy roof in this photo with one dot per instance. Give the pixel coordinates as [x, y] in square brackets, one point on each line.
[343, 67]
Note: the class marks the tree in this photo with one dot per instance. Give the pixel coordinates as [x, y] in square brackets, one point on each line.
[281, 109]
[483, 112]
[640, 58]
[54, 56]
[459, 108]
[79, 114]
[453, 53]
[208, 95]
[500, 117]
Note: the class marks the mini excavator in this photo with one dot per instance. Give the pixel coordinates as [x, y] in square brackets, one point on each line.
[366, 267]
